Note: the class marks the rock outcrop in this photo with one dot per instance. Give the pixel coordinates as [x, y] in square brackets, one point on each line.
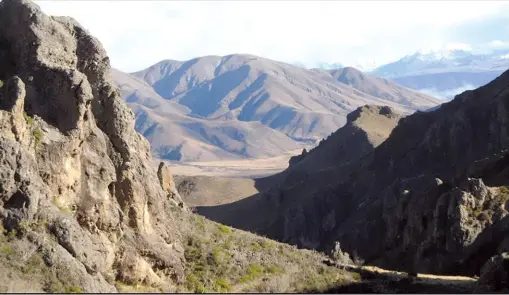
[495, 273]
[168, 184]
[421, 199]
[432, 198]
[70, 157]
[283, 194]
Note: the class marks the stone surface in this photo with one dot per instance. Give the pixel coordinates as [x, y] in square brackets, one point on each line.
[168, 184]
[495, 273]
[70, 157]
[430, 197]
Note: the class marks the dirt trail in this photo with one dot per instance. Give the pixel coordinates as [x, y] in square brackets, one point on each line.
[396, 274]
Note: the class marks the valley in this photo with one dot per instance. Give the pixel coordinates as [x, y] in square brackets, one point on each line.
[243, 174]
[245, 168]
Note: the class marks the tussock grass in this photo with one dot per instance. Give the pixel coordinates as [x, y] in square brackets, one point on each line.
[223, 259]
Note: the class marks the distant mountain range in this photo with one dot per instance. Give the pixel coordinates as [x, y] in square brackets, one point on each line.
[244, 106]
[445, 74]
[439, 73]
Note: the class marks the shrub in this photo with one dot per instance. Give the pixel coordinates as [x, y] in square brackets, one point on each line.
[253, 272]
[268, 244]
[255, 246]
[63, 209]
[12, 234]
[200, 289]
[199, 222]
[224, 229]
[221, 285]
[1, 83]
[275, 269]
[6, 250]
[73, 289]
[484, 216]
[28, 119]
[38, 136]
[217, 256]
[193, 283]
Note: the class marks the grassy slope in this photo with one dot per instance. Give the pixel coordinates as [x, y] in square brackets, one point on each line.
[223, 259]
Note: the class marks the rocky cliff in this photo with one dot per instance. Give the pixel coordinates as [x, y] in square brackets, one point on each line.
[431, 198]
[71, 160]
[366, 128]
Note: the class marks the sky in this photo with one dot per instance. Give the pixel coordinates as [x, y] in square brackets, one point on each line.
[138, 34]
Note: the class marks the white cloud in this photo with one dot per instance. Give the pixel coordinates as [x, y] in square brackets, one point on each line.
[458, 46]
[137, 34]
[497, 44]
[449, 94]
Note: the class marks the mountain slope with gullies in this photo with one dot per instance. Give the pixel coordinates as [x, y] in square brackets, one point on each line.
[366, 128]
[244, 106]
[431, 198]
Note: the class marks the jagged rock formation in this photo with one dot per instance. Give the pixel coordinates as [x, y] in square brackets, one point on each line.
[168, 184]
[71, 158]
[495, 273]
[431, 198]
[366, 127]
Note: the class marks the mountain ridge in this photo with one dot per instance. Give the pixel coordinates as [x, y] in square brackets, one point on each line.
[302, 105]
[432, 197]
[445, 74]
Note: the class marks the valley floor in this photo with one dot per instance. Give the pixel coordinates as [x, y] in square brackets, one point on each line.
[248, 168]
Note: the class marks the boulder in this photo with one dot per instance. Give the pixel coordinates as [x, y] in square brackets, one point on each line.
[495, 273]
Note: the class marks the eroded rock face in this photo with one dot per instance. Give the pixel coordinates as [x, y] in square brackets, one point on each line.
[431, 198]
[168, 184]
[69, 154]
[495, 273]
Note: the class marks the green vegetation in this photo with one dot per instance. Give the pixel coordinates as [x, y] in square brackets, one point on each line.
[255, 247]
[221, 285]
[224, 229]
[268, 244]
[12, 234]
[491, 205]
[38, 135]
[35, 225]
[22, 264]
[29, 120]
[222, 259]
[253, 272]
[274, 269]
[199, 221]
[6, 250]
[1, 83]
[63, 209]
[318, 281]
[73, 289]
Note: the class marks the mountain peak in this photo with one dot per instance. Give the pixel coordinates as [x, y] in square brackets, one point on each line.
[370, 110]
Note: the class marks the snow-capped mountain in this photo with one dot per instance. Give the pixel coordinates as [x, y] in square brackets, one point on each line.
[445, 73]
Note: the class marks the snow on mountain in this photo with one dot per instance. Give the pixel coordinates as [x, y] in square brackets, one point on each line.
[445, 73]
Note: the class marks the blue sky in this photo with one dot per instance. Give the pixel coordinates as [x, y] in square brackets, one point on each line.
[137, 34]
